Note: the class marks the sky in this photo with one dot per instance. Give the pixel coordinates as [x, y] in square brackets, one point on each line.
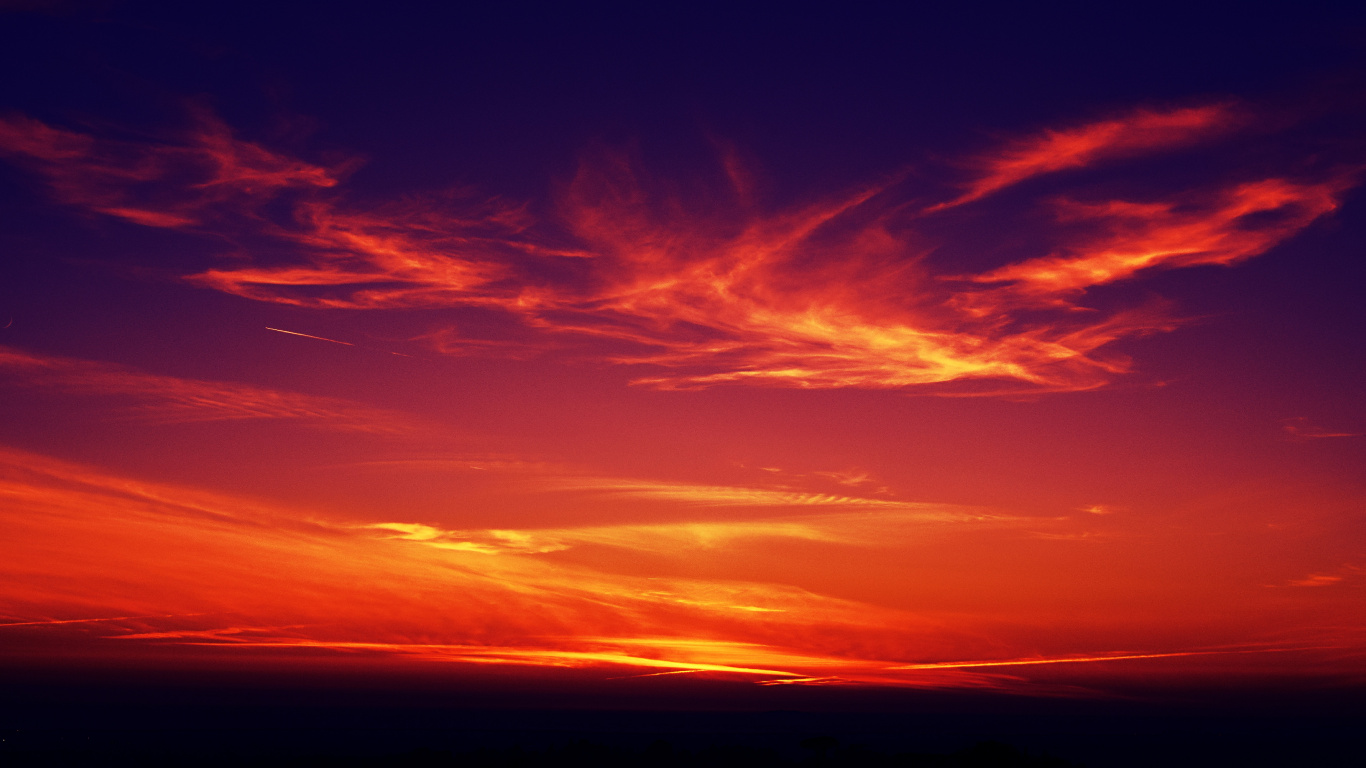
[932, 351]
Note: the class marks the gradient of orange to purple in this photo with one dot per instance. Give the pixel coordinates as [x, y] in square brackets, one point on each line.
[952, 427]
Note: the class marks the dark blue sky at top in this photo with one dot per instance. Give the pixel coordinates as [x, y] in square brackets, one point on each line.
[505, 96]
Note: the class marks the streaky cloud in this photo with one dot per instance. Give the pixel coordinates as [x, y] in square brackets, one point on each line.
[170, 399]
[186, 570]
[835, 293]
[1140, 131]
[1212, 228]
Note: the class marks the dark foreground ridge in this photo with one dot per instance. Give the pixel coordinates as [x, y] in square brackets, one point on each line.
[288, 749]
[124, 722]
[821, 752]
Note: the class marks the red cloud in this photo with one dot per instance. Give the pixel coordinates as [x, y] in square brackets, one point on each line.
[158, 185]
[833, 294]
[1140, 131]
[1221, 228]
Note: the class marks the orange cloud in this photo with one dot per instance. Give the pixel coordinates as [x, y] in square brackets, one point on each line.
[789, 504]
[891, 526]
[739, 496]
[1219, 228]
[1144, 130]
[85, 542]
[759, 299]
[426, 252]
[422, 253]
[160, 185]
[114, 565]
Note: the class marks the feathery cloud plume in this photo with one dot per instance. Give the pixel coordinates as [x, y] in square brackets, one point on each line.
[835, 293]
[1143, 130]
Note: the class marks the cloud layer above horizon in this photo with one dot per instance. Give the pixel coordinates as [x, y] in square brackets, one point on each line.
[718, 288]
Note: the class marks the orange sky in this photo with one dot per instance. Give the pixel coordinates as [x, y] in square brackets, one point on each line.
[974, 427]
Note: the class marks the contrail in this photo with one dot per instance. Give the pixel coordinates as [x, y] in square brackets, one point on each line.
[309, 336]
[334, 341]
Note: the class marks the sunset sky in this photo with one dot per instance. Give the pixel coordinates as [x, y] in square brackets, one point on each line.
[1016, 354]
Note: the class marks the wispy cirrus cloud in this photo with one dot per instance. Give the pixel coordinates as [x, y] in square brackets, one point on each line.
[87, 542]
[1300, 429]
[1346, 573]
[171, 399]
[793, 494]
[730, 495]
[840, 292]
[420, 252]
[1219, 227]
[111, 565]
[887, 524]
[754, 298]
[1140, 131]
[426, 252]
[159, 184]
